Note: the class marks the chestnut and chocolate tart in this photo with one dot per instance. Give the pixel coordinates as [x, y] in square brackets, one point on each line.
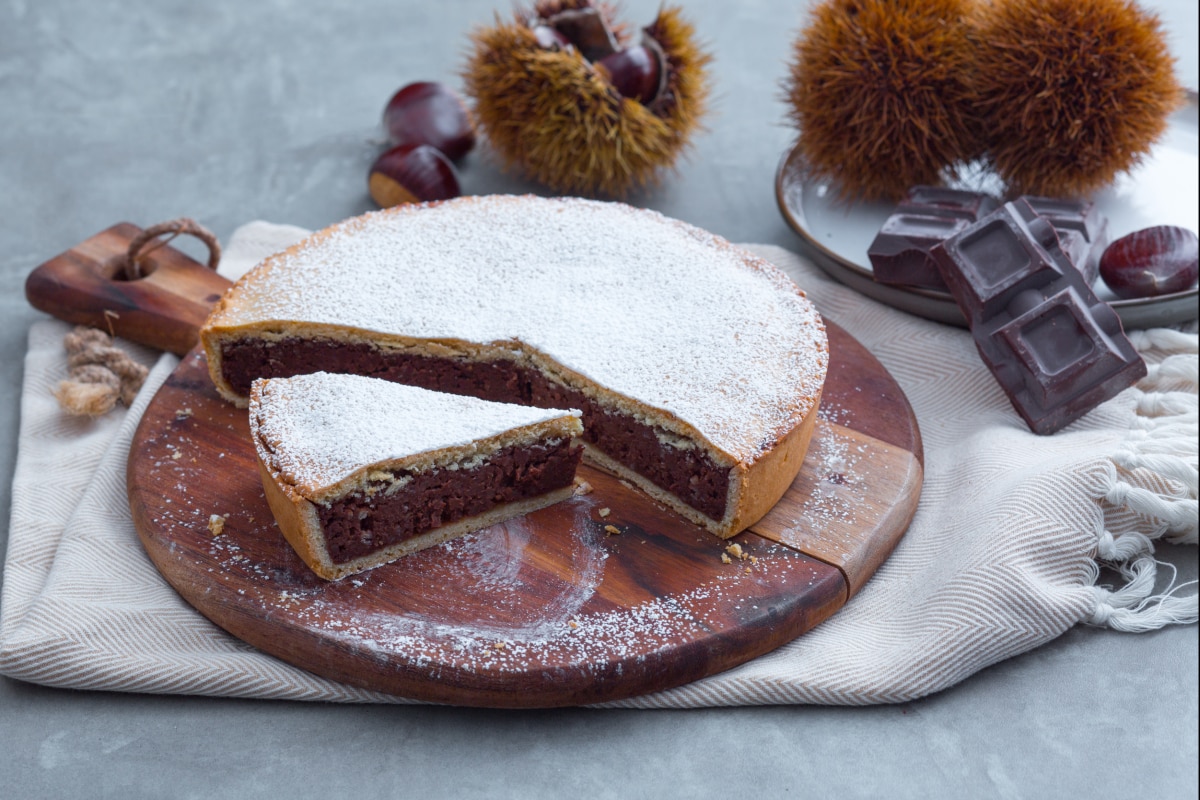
[697, 366]
[359, 471]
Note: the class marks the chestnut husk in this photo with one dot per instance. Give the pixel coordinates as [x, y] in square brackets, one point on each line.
[553, 116]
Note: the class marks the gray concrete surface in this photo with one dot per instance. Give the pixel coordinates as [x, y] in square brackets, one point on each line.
[229, 111]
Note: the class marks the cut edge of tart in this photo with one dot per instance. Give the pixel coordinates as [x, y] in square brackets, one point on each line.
[359, 472]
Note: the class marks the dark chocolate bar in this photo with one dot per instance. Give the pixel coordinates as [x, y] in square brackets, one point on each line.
[1082, 231]
[931, 214]
[942, 202]
[1054, 347]
[899, 253]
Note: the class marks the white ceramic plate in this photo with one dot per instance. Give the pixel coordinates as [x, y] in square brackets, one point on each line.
[1164, 190]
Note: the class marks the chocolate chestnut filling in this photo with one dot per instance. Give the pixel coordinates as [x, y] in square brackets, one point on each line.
[364, 522]
[688, 473]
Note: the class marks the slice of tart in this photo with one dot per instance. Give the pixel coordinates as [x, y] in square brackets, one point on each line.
[360, 471]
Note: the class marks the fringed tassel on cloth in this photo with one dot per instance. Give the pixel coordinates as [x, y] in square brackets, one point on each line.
[1153, 476]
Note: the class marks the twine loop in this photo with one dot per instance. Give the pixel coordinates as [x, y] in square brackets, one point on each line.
[174, 227]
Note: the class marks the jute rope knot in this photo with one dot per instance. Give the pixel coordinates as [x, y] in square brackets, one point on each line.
[174, 227]
[100, 374]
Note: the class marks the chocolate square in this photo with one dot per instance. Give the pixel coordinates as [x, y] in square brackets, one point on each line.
[1054, 347]
[998, 257]
[899, 253]
[1082, 231]
[942, 202]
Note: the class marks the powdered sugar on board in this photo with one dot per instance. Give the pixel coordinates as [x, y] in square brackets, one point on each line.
[651, 308]
[831, 507]
[569, 626]
[322, 428]
[852, 484]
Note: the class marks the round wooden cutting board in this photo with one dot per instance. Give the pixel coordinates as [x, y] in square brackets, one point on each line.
[546, 610]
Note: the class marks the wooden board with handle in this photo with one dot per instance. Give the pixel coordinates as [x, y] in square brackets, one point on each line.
[601, 597]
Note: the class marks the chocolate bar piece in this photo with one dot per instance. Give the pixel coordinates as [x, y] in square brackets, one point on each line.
[900, 252]
[1082, 231]
[1055, 348]
[938, 201]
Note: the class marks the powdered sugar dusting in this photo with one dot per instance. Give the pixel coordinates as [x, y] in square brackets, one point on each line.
[653, 309]
[324, 427]
[557, 631]
[833, 505]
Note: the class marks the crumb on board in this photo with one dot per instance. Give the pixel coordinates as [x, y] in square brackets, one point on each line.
[604, 512]
[725, 559]
[216, 523]
[178, 454]
[612, 530]
[582, 488]
[499, 645]
[183, 413]
[737, 552]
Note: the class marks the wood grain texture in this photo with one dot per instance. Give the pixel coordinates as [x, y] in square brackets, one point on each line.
[547, 610]
[861, 387]
[164, 309]
[846, 509]
[863, 475]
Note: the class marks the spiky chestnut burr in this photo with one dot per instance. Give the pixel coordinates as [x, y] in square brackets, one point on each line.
[880, 93]
[1072, 92]
[553, 115]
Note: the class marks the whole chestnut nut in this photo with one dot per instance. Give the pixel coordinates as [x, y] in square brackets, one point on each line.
[1151, 262]
[430, 113]
[636, 72]
[412, 173]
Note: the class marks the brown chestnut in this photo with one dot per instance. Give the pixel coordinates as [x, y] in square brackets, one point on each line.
[412, 173]
[636, 72]
[430, 113]
[1151, 262]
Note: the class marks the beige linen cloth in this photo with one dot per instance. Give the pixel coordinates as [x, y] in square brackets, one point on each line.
[1002, 556]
